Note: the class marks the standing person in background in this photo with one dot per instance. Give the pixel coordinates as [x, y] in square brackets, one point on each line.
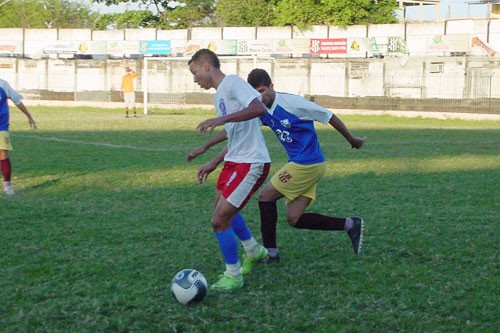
[292, 117]
[127, 90]
[6, 93]
[246, 165]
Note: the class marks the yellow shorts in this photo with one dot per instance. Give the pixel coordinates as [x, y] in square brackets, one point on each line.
[5, 141]
[294, 180]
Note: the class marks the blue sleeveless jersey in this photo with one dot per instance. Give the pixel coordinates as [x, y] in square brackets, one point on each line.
[4, 111]
[291, 118]
[6, 92]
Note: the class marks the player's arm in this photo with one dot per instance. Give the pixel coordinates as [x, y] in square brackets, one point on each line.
[220, 137]
[253, 110]
[355, 141]
[24, 110]
[207, 168]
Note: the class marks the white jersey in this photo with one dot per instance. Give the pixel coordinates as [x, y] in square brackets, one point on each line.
[245, 141]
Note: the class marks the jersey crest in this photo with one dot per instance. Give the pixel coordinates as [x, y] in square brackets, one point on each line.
[222, 107]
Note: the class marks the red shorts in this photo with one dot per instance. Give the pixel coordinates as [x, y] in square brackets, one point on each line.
[239, 181]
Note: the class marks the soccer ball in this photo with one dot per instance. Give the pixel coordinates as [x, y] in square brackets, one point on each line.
[189, 286]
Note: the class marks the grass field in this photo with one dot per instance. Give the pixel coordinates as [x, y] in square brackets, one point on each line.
[107, 210]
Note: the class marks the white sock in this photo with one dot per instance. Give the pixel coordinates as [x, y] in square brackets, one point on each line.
[251, 247]
[273, 252]
[348, 223]
[233, 269]
[6, 184]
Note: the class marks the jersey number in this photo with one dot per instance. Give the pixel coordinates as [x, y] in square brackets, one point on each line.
[283, 135]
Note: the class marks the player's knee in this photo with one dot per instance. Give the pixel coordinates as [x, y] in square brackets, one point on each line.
[292, 219]
[219, 224]
[263, 196]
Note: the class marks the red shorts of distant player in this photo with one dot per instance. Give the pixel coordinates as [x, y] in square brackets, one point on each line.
[239, 181]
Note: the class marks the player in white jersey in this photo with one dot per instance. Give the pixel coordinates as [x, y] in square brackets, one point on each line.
[291, 117]
[246, 165]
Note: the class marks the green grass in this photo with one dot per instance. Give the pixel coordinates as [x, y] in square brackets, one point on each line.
[107, 210]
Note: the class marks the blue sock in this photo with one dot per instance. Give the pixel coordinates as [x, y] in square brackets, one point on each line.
[240, 228]
[228, 246]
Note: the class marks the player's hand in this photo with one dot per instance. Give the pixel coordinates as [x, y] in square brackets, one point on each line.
[193, 154]
[204, 171]
[32, 124]
[357, 142]
[208, 126]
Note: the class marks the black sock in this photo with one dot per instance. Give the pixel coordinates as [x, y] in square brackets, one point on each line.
[268, 222]
[315, 221]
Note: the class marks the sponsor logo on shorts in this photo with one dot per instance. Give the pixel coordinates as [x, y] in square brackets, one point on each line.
[284, 177]
[231, 178]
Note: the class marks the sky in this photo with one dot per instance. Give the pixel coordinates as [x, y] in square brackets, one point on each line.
[448, 9]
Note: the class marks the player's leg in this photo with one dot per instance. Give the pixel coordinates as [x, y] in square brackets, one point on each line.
[245, 180]
[221, 224]
[244, 234]
[126, 100]
[132, 102]
[5, 164]
[315, 221]
[269, 220]
[233, 195]
[296, 216]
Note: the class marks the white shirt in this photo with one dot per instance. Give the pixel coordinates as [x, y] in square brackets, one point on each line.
[245, 141]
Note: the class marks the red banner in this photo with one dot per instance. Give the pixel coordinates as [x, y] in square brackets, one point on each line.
[328, 46]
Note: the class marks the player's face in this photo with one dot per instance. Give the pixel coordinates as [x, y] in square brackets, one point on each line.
[268, 94]
[201, 74]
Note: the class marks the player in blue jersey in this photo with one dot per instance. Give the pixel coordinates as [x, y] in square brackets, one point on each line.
[291, 117]
[6, 93]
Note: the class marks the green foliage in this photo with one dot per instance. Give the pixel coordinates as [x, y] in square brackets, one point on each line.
[127, 20]
[195, 13]
[46, 14]
[306, 13]
[237, 13]
[300, 13]
[107, 210]
[351, 12]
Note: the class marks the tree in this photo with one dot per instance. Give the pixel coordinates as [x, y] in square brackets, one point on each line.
[300, 13]
[173, 14]
[130, 19]
[350, 12]
[46, 14]
[237, 13]
[176, 14]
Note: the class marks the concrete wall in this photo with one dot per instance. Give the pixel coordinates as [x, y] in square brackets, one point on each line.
[417, 36]
[459, 83]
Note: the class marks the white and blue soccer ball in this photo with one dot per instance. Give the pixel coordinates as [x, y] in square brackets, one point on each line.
[189, 286]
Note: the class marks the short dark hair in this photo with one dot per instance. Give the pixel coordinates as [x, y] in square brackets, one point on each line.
[205, 55]
[259, 77]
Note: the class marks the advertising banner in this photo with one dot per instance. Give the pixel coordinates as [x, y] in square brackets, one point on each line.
[119, 48]
[220, 47]
[155, 47]
[448, 43]
[396, 45]
[328, 46]
[290, 46]
[10, 48]
[92, 47]
[250, 47]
